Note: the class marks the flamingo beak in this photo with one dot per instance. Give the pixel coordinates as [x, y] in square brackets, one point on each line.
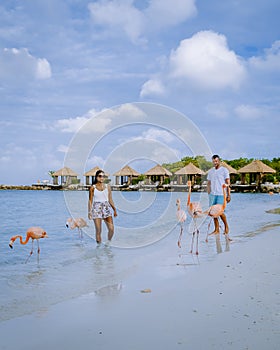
[67, 225]
[11, 244]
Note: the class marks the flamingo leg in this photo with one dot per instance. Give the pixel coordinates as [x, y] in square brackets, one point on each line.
[31, 252]
[196, 231]
[197, 235]
[38, 251]
[180, 236]
[206, 239]
[193, 234]
[81, 233]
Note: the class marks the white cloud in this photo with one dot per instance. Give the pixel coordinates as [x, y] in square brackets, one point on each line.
[128, 112]
[43, 70]
[206, 61]
[153, 134]
[217, 110]
[62, 148]
[166, 13]
[157, 134]
[123, 16]
[19, 64]
[271, 59]
[203, 61]
[247, 112]
[118, 14]
[152, 87]
[95, 161]
[71, 125]
[98, 122]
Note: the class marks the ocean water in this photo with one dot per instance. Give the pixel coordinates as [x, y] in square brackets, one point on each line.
[146, 235]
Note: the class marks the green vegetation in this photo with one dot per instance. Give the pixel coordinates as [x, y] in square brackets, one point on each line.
[205, 165]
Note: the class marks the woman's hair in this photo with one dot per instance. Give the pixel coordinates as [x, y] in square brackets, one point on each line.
[96, 175]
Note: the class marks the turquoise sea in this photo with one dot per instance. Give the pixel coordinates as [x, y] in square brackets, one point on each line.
[146, 234]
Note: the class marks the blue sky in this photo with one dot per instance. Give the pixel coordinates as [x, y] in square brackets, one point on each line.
[62, 63]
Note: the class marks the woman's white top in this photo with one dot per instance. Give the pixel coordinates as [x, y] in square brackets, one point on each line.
[100, 196]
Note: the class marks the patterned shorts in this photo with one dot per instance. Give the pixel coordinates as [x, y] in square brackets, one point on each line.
[101, 210]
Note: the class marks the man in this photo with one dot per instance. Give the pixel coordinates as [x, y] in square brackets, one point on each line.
[217, 177]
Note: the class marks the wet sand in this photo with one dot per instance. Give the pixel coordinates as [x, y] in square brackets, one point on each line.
[232, 302]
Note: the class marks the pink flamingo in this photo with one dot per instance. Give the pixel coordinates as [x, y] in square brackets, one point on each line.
[181, 218]
[217, 210]
[78, 223]
[33, 233]
[195, 211]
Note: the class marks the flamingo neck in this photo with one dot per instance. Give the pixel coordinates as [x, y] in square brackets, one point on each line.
[189, 196]
[21, 240]
[225, 198]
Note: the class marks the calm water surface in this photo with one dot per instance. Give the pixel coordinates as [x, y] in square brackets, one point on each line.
[146, 236]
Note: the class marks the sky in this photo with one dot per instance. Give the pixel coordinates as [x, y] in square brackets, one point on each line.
[147, 81]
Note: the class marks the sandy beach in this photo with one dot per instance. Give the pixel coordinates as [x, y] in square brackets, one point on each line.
[231, 302]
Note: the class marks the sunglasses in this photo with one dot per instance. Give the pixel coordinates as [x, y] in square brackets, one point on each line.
[100, 176]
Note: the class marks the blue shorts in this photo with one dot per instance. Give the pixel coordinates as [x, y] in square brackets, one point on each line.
[215, 199]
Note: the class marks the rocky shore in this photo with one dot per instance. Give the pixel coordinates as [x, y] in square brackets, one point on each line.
[29, 187]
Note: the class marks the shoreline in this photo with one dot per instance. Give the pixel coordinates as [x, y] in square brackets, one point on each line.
[231, 302]
[182, 188]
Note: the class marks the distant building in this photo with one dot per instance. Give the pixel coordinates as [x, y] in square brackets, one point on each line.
[67, 177]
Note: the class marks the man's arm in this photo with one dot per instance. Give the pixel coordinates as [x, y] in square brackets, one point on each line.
[208, 186]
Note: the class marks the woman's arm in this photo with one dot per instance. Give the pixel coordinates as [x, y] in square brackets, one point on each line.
[90, 198]
[110, 199]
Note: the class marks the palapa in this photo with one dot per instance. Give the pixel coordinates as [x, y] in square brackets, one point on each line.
[91, 174]
[67, 175]
[126, 174]
[93, 171]
[190, 169]
[158, 170]
[229, 168]
[256, 170]
[127, 171]
[257, 166]
[65, 172]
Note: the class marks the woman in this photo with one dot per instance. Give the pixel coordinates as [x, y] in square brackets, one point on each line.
[100, 205]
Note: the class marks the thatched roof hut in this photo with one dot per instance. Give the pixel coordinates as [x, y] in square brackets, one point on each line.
[188, 172]
[256, 169]
[91, 175]
[157, 174]
[229, 168]
[125, 175]
[67, 175]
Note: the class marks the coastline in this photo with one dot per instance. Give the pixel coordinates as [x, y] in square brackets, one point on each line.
[173, 188]
[231, 302]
